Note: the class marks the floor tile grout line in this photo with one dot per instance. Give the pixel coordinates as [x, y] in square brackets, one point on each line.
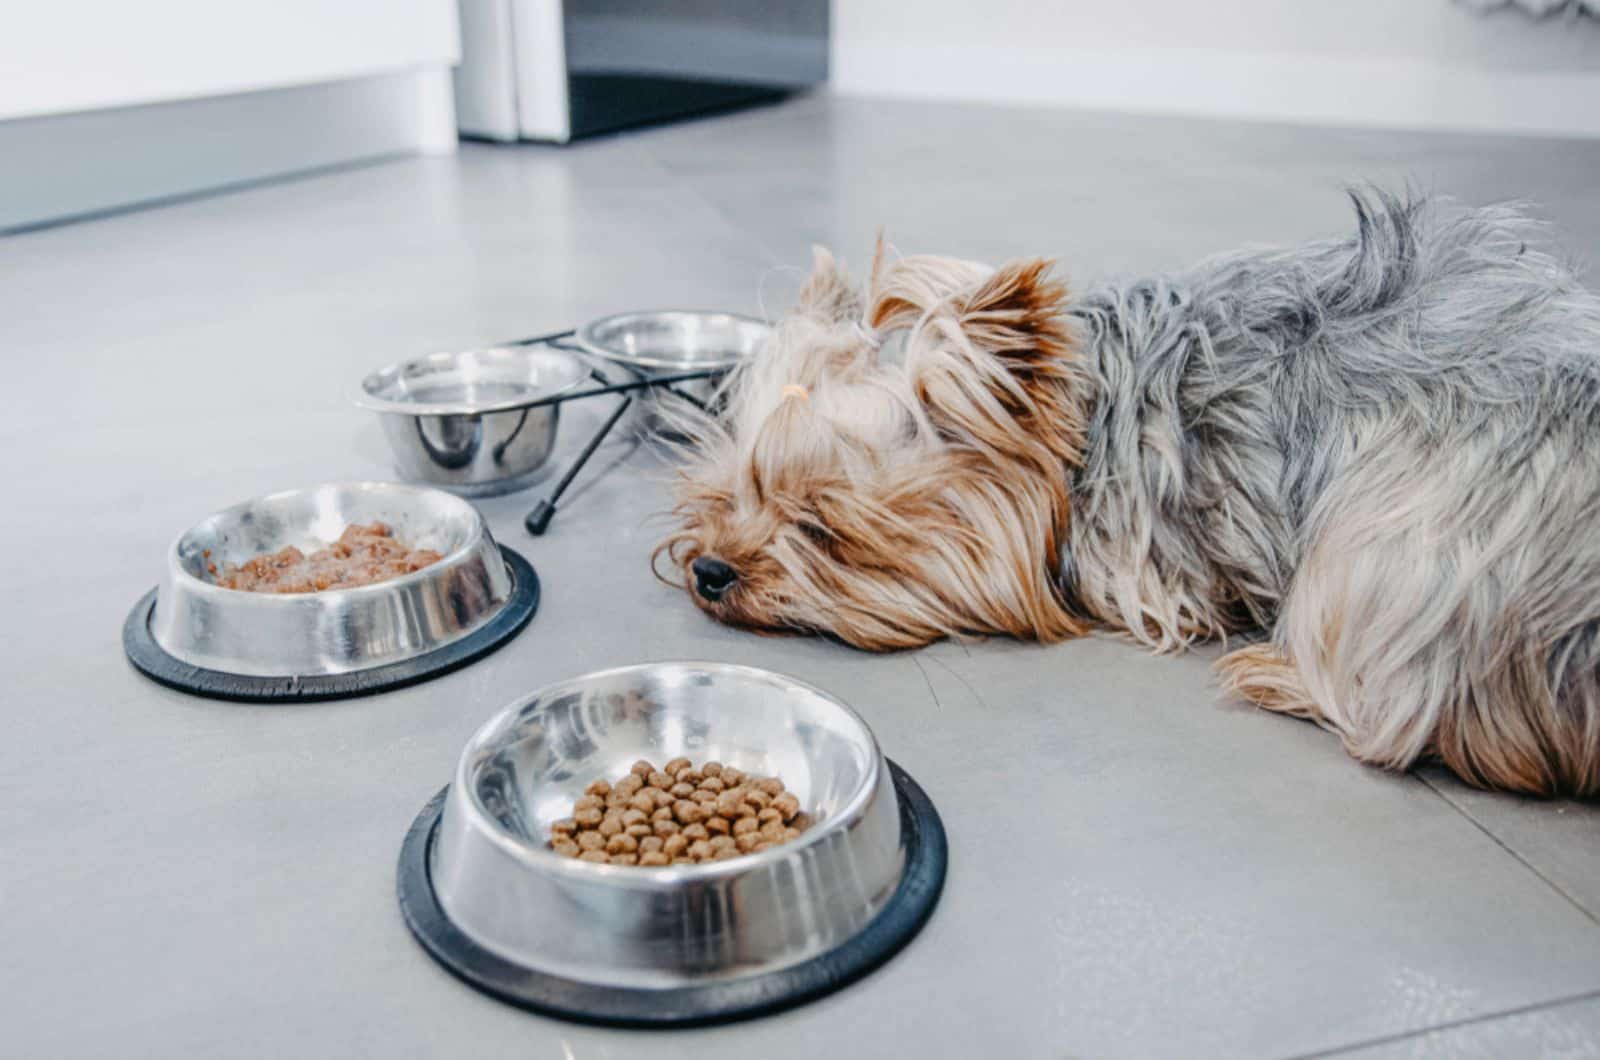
[733, 226]
[1487, 1017]
[1503, 845]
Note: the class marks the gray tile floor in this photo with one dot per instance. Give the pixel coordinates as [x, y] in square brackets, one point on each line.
[181, 877]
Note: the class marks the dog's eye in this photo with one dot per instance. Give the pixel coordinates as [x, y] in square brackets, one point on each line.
[816, 532]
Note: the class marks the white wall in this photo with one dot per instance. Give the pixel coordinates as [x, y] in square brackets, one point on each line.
[1410, 63]
[109, 103]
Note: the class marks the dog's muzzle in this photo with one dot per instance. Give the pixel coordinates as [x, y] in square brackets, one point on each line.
[712, 577]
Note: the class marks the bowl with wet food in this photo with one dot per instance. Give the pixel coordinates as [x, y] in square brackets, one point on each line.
[326, 580]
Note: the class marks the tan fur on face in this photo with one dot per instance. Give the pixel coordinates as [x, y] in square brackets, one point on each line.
[895, 502]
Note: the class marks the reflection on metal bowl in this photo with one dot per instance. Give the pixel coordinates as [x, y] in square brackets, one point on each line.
[670, 341]
[632, 927]
[467, 421]
[338, 631]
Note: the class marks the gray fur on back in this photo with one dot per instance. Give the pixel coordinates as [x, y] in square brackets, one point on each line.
[1385, 451]
[1233, 395]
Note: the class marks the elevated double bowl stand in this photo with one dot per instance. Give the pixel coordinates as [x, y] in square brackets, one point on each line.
[538, 519]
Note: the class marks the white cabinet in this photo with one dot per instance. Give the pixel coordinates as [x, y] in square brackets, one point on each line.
[104, 103]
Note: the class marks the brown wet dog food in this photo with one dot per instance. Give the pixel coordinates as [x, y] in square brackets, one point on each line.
[694, 816]
[363, 555]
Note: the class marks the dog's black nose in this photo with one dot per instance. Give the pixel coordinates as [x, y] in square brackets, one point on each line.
[712, 577]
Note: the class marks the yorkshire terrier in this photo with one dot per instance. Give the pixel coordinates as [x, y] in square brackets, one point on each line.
[1379, 454]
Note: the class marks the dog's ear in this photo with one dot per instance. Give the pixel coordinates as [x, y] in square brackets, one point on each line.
[829, 296]
[989, 354]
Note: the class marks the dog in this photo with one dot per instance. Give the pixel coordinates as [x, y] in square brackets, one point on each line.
[1375, 459]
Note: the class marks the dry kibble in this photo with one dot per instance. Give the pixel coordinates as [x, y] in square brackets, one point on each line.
[678, 815]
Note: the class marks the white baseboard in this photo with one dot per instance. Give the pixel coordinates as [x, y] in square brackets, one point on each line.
[1308, 88]
[73, 165]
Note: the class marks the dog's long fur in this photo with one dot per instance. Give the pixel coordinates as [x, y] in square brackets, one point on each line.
[1382, 451]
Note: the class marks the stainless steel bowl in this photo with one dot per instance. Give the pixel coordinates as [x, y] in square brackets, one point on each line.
[265, 634]
[670, 341]
[633, 927]
[466, 421]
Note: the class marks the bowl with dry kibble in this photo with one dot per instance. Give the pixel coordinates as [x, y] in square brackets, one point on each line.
[671, 843]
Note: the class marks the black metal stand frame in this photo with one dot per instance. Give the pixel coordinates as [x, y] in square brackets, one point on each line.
[538, 520]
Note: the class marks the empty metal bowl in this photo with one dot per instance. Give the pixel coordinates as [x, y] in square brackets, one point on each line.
[670, 341]
[469, 421]
[339, 631]
[648, 928]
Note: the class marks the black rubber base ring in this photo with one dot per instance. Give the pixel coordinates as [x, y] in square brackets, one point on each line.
[154, 662]
[927, 855]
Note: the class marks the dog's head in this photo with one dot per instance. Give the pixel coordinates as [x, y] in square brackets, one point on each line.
[894, 467]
